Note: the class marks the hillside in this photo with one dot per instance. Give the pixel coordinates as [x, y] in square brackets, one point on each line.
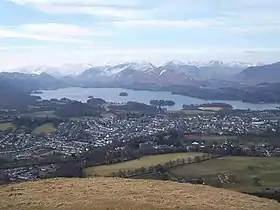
[111, 193]
[14, 98]
[29, 82]
[260, 74]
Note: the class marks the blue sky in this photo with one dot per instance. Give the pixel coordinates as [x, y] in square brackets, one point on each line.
[108, 31]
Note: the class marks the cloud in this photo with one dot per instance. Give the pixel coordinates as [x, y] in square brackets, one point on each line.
[78, 2]
[101, 56]
[169, 23]
[212, 24]
[110, 8]
[95, 11]
[49, 32]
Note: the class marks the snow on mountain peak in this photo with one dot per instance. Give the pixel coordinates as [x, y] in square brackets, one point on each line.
[217, 63]
[175, 63]
[57, 71]
[143, 66]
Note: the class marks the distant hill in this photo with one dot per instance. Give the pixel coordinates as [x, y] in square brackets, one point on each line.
[12, 97]
[29, 82]
[260, 74]
[112, 193]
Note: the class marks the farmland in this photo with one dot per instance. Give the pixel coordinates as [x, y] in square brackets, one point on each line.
[46, 128]
[6, 126]
[193, 112]
[246, 170]
[146, 161]
[42, 114]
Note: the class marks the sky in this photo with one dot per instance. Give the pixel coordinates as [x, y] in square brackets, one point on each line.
[54, 32]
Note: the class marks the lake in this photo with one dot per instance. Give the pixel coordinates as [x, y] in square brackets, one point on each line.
[112, 95]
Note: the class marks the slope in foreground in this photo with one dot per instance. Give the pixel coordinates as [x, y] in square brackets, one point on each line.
[110, 193]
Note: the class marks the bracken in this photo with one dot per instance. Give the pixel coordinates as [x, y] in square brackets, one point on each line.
[113, 193]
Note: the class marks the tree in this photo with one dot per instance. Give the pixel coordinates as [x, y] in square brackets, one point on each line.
[114, 174]
[142, 170]
[170, 164]
[129, 173]
[166, 165]
[203, 157]
[137, 171]
[121, 174]
[190, 160]
[197, 159]
[151, 169]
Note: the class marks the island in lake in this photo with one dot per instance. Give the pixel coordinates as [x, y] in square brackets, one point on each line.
[36, 92]
[162, 103]
[123, 94]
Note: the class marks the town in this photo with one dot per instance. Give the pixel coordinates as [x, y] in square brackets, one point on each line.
[29, 156]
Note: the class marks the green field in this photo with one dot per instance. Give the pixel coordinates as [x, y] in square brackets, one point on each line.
[193, 112]
[267, 169]
[146, 161]
[45, 129]
[42, 114]
[6, 126]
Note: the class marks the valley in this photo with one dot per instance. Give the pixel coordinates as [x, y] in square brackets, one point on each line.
[142, 96]
[175, 77]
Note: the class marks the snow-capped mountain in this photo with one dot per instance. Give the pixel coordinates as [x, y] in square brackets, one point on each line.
[56, 71]
[175, 63]
[172, 73]
[215, 63]
[115, 70]
[211, 63]
[132, 72]
[206, 70]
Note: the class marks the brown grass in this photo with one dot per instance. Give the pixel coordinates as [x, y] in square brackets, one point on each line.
[113, 193]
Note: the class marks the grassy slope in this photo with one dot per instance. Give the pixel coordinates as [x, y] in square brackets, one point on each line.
[42, 114]
[110, 193]
[146, 161]
[6, 126]
[193, 112]
[245, 168]
[46, 128]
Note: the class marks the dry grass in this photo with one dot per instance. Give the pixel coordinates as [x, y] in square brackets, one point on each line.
[113, 193]
[146, 161]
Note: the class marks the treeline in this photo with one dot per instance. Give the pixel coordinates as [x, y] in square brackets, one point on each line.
[167, 165]
[134, 107]
[268, 195]
[162, 103]
[254, 94]
[30, 124]
[197, 106]
[78, 109]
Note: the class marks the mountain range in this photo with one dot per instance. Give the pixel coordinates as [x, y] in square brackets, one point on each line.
[204, 70]
[171, 73]
[212, 80]
[124, 74]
